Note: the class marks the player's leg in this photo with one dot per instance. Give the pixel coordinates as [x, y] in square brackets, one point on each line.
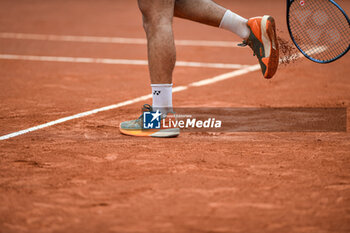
[157, 21]
[210, 13]
[202, 11]
[259, 32]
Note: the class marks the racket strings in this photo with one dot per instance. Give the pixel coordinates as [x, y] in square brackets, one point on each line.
[319, 28]
[332, 27]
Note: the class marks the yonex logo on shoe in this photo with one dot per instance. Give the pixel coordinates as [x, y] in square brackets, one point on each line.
[156, 92]
[151, 120]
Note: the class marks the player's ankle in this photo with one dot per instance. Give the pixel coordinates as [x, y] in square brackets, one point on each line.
[162, 98]
[236, 24]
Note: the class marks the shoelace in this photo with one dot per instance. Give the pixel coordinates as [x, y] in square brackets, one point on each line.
[145, 108]
[149, 108]
[245, 43]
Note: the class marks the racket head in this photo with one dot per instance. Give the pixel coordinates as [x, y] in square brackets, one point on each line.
[320, 29]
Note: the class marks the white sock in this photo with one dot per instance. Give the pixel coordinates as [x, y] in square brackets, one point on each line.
[162, 97]
[235, 24]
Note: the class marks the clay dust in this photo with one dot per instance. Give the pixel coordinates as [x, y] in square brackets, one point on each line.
[288, 52]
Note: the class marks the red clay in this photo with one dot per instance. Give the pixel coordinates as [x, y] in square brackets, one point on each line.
[83, 176]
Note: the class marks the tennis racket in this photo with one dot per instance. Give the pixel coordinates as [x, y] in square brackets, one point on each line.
[320, 29]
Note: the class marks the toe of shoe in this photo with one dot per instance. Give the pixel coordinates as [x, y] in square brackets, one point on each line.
[130, 125]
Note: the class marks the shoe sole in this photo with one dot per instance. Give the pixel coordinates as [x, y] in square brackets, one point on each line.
[157, 133]
[269, 39]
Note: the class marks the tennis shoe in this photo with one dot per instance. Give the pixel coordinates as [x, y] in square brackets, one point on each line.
[263, 41]
[136, 127]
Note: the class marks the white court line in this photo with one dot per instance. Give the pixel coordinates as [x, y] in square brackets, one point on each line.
[225, 76]
[111, 40]
[132, 101]
[116, 61]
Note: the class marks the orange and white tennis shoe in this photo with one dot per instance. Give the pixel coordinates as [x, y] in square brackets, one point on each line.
[263, 41]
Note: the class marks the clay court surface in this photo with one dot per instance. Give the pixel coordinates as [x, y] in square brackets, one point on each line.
[84, 176]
